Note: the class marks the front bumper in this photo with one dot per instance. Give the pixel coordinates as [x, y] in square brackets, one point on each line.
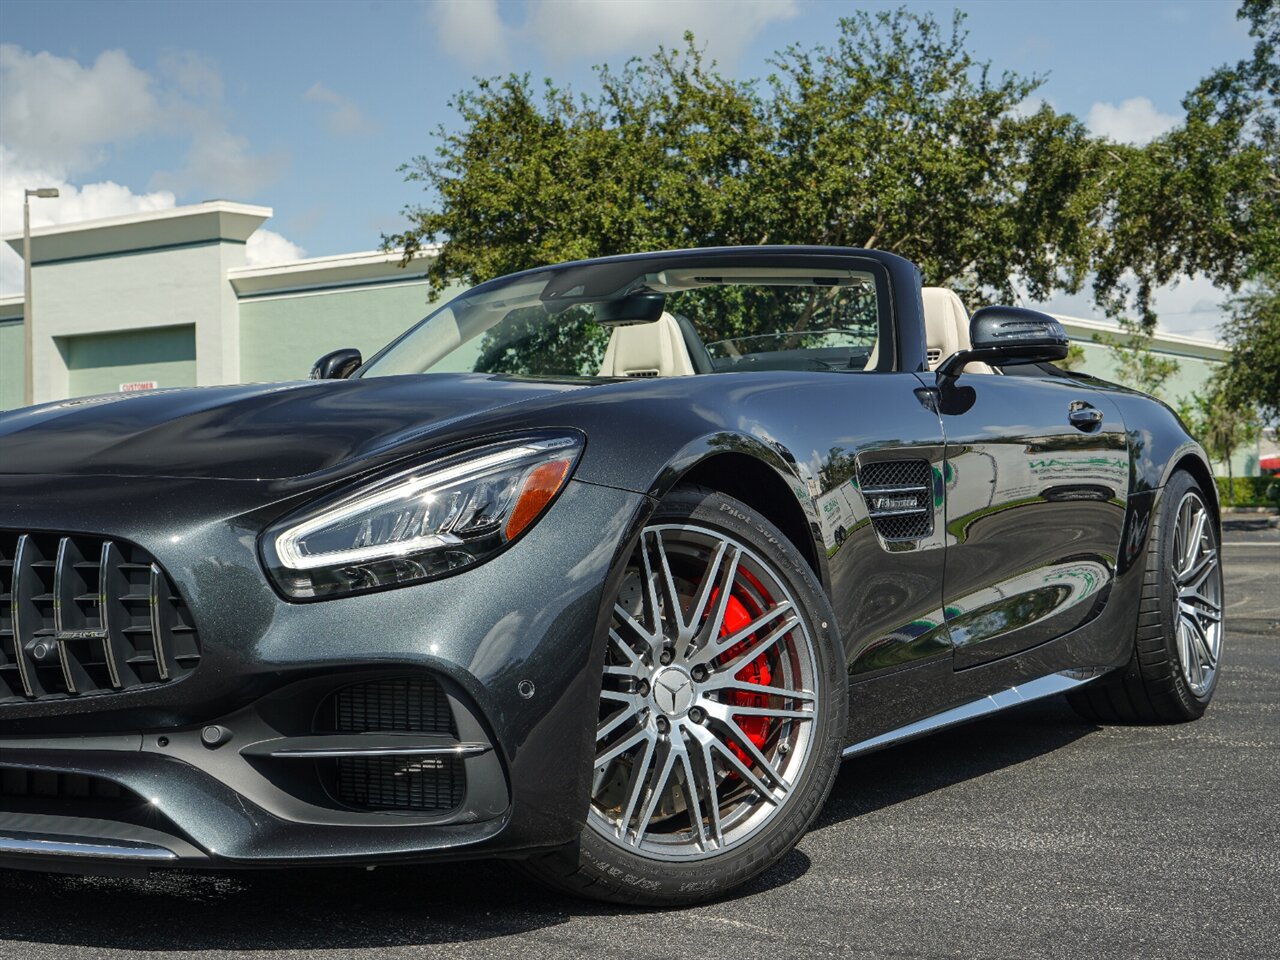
[510, 642]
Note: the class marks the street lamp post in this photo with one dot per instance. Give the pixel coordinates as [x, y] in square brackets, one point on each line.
[28, 337]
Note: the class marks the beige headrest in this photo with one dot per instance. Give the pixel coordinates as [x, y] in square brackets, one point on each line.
[946, 327]
[647, 350]
[946, 323]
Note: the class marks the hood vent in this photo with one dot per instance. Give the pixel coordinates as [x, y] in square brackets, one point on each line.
[899, 497]
[82, 615]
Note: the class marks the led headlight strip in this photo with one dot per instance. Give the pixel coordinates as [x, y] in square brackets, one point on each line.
[420, 523]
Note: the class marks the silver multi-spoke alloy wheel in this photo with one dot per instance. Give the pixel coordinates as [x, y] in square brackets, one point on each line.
[1176, 661]
[1197, 576]
[709, 698]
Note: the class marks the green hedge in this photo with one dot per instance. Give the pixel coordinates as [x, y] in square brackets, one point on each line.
[1246, 491]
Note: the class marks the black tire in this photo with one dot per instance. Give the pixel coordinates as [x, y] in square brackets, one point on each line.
[1152, 687]
[600, 868]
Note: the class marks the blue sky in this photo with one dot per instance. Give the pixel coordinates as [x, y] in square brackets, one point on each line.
[310, 108]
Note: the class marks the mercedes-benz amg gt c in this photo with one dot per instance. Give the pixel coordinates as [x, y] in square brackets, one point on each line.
[602, 567]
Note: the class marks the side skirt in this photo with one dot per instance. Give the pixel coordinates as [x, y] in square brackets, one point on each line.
[1048, 686]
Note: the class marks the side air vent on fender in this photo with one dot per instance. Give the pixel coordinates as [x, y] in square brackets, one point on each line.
[899, 497]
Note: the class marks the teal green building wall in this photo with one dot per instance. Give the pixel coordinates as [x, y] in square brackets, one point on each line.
[282, 336]
[100, 362]
[1193, 372]
[1191, 377]
[11, 362]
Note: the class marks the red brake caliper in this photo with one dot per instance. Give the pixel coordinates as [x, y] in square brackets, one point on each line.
[757, 671]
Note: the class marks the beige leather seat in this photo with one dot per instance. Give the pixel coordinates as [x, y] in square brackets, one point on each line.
[647, 350]
[946, 327]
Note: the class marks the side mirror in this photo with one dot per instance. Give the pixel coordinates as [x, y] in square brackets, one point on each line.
[1005, 336]
[337, 365]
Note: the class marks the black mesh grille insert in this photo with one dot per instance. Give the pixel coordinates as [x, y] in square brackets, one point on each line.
[427, 784]
[899, 497]
[85, 615]
[52, 785]
[397, 705]
[400, 705]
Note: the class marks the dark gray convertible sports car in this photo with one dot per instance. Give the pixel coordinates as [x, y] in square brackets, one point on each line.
[602, 567]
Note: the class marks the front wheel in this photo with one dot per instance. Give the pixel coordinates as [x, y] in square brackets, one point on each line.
[722, 711]
[1178, 645]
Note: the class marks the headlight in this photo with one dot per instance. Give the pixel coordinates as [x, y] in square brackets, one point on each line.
[422, 523]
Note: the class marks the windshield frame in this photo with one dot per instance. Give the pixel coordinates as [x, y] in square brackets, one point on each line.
[891, 274]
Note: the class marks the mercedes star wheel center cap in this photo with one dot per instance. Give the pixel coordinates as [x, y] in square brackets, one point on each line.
[673, 691]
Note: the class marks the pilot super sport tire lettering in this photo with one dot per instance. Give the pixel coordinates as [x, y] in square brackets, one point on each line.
[1178, 646]
[722, 711]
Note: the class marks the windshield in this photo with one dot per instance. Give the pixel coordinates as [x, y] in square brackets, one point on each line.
[653, 318]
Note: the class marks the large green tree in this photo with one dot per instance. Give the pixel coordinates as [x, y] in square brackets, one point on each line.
[1251, 380]
[1205, 197]
[1135, 361]
[1221, 425]
[893, 136]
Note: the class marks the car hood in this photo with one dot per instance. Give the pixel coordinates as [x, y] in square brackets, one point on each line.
[257, 432]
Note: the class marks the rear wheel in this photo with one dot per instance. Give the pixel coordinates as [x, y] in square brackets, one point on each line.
[1178, 646]
[721, 716]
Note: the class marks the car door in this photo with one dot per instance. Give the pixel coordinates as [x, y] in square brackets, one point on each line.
[1036, 478]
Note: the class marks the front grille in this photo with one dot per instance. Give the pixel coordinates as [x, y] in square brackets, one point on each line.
[49, 793]
[50, 785]
[397, 705]
[83, 615]
[899, 497]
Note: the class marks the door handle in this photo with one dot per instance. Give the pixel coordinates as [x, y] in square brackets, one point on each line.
[1084, 416]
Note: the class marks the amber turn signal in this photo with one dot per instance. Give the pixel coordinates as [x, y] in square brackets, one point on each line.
[540, 486]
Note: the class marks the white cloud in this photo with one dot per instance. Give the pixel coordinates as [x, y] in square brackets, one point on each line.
[1030, 106]
[94, 201]
[59, 116]
[196, 77]
[474, 32]
[61, 113]
[344, 118]
[725, 27]
[470, 31]
[1135, 120]
[267, 248]
[220, 163]
[91, 201]
[1191, 306]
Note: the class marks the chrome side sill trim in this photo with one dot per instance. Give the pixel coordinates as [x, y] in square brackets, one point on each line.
[40, 846]
[1023, 693]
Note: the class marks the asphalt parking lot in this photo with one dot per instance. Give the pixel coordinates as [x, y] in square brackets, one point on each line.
[1028, 835]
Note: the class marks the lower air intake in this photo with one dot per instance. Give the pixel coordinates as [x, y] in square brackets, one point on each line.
[399, 705]
[49, 786]
[418, 784]
[414, 784]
